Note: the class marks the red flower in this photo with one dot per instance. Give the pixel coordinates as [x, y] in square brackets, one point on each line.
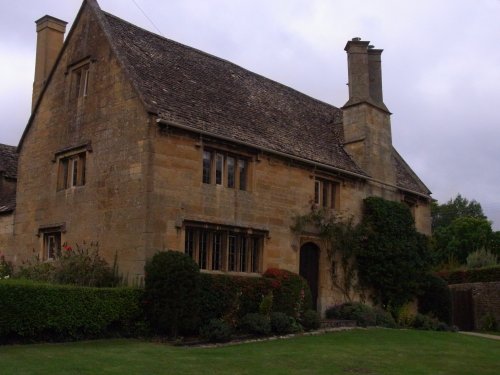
[67, 248]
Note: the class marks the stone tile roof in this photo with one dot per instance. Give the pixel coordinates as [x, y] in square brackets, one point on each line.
[8, 160]
[187, 86]
[406, 178]
[8, 168]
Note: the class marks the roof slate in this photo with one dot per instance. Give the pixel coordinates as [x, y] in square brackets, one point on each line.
[187, 86]
[8, 160]
[8, 168]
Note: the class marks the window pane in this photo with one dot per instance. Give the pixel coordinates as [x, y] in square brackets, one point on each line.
[74, 172]
[333, 195]
[203, 249]
[242, 166]
[189, 242]
[219, 165]
[317, 190]
[207, 166]
[82, 169]
[52, 245]
[243, 254]
[217, 251]
[326, 187]
[255, 254]
[230, 172]
[232, 260]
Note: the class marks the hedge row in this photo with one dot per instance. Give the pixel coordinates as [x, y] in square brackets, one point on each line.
[477, 275]
[38, 311]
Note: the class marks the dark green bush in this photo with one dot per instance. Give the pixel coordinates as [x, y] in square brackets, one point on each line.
[256, 324]
[488, 323]
[425, 322]
[435, 298]
[310, 320]
[282, 324]
[291, 293]
[216, 330]
[384, 318]
[363, 315]
[231, 297]
[471, 276]
[39, 311]
[172, 291]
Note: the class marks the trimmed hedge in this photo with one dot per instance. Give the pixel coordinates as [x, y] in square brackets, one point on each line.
[39, 311]
[477, 275]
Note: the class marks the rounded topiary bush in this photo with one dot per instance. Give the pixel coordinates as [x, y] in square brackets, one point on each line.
[256, 324]
[216, 330]
[384, 318]
[172, 289]
[310, 320]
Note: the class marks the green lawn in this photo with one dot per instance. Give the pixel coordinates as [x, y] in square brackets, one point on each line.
[373, 351]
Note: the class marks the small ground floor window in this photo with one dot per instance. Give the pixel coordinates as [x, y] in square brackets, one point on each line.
[224, 249]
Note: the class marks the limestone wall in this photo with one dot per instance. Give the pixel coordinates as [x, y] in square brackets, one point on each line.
[110, 206]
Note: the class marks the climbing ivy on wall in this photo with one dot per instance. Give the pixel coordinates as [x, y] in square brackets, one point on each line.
[383, 254]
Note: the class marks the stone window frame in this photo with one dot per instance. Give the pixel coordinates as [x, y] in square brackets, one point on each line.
[219, 174]
[48, 234]
[72, 166]
[326, 193]
[226, 249]
[80, 78]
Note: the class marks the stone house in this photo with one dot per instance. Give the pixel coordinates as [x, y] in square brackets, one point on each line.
[141, 143]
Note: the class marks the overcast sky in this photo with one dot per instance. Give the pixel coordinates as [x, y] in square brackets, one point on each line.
[441, 67]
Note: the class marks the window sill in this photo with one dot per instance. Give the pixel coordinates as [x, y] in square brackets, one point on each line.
[232, 273]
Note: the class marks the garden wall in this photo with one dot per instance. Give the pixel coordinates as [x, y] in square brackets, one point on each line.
[471, 302]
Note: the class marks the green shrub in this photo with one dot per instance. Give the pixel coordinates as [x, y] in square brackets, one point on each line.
[5, 268]
[310, 320]
[425, 322]
[231, 297]
[488, 323]
[216, 330]
[481, 258]
[282, 324]
[266, 305]
[291, 293]
[384, 318]
[405, 316]
[435, 298]
[364, 315]
[172, 290]
[256, 324]
[475, 275]
[40, 311]
[81, 265]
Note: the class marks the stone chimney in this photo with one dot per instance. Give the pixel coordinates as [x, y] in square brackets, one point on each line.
[50, 38]
[367, 124]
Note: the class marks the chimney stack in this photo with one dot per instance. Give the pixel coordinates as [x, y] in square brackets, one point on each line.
[50, 38]
[365, 73]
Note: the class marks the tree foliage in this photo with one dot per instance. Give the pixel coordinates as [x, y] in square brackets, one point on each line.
[444, 214]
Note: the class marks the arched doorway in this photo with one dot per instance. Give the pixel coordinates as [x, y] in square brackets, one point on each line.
[309, 268]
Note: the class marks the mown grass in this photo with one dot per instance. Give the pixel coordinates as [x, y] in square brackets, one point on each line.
[372, 351]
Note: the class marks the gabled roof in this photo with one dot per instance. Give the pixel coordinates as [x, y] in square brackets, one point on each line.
[190, 87]
[186, 86]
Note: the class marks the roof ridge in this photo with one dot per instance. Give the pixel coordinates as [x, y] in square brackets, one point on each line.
[197, 50]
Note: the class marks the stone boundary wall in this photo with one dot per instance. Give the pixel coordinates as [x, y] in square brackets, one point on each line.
[485, 299]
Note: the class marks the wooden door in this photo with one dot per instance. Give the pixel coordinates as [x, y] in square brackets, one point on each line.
[309, 269]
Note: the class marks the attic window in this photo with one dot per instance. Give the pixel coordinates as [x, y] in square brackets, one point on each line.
[80, 80]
